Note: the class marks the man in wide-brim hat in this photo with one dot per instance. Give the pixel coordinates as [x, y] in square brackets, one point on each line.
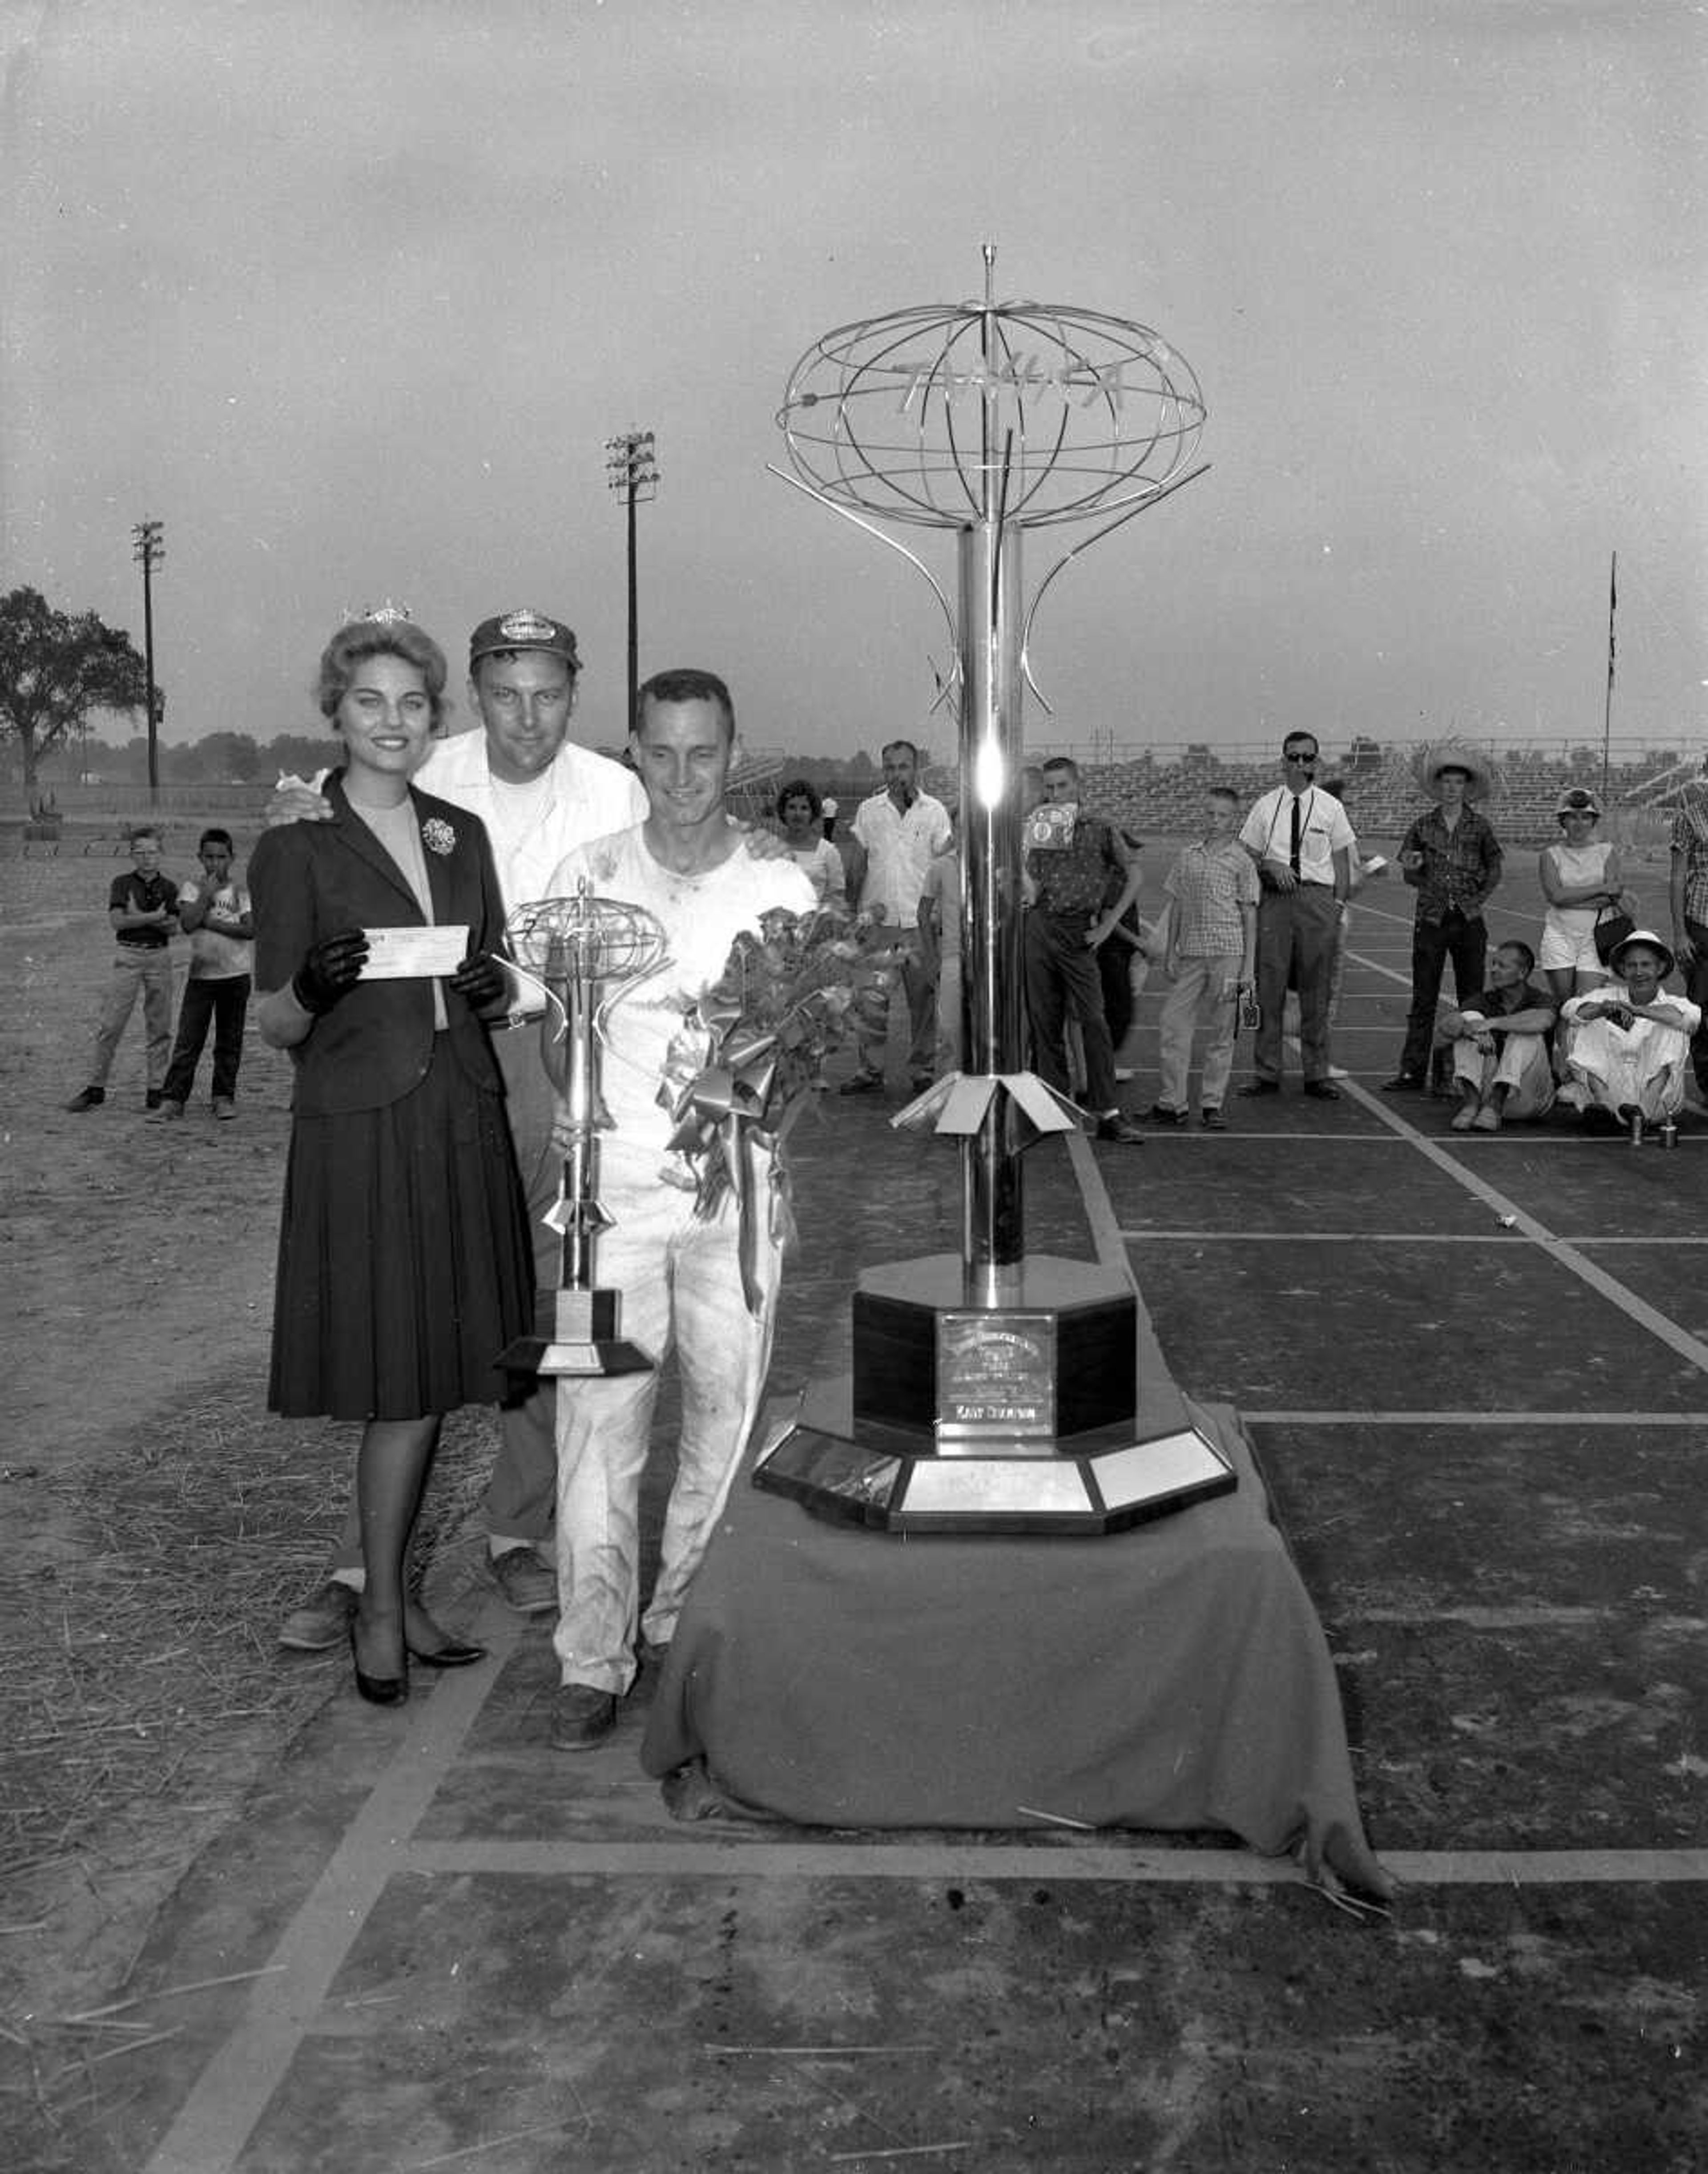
[1452, 859]
[1629, 1045]
[1450, 755]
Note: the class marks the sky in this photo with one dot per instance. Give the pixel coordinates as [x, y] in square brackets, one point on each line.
[349, 297]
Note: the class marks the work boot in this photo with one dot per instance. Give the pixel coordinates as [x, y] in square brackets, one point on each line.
[321, 1621]
[1113, 1126]
[581, 1716]
[526, 1583]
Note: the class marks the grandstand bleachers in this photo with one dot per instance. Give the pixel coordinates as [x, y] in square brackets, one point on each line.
[1156, 790]
[1161, 792]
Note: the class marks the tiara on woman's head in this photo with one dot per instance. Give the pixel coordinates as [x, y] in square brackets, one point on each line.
[386, 614]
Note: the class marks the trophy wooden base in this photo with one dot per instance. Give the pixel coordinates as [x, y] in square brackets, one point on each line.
[575, 1334]
[890, 1481]
[1018, 1417]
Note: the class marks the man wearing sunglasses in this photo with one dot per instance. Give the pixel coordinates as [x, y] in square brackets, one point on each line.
[1303, 844]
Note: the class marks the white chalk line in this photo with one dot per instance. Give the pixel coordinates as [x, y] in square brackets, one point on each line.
[731, 1855]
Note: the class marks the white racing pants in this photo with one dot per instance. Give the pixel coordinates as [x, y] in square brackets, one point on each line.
[681, 1283]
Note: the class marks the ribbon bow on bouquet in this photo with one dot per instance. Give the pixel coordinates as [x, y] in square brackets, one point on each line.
[724, 1115]
[781, 1005]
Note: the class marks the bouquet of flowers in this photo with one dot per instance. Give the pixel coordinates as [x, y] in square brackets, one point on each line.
[753, 1053]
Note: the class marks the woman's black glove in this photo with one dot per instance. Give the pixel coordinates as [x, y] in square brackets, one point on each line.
[481, 981]
[331, 970]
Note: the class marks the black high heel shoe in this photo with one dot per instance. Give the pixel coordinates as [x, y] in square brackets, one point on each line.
[377, 1690]
[450, 1655]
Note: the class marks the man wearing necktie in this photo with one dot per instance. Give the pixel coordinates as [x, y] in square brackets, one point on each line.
[1303, 844]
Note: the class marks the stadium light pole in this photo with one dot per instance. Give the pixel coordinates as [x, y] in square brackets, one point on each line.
[632, 472]
[148, 549]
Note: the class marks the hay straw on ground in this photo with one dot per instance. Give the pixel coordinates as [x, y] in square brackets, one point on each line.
[147, 1654]
[141, 1680]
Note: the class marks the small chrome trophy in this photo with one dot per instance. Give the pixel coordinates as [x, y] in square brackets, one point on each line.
[581, 954]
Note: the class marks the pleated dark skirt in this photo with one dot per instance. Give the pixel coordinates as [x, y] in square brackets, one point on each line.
[404, 1261]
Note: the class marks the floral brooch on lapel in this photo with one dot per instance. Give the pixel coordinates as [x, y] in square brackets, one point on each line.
[438, 836]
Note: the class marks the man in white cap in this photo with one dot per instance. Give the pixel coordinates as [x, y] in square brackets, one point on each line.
[539, 796]
[1452, 857]
[1629, 1051]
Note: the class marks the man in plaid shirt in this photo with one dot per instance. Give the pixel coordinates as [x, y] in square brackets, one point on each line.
[1688, 890]
[1066, 923]
[1452, 859]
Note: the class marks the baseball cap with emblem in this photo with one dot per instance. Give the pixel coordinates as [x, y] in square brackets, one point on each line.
[523, 630]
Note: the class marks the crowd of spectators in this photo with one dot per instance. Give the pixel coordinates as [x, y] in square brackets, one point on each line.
[1254, 930]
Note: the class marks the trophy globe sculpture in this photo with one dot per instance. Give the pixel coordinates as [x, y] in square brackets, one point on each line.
[581, 954]
[990, 1392]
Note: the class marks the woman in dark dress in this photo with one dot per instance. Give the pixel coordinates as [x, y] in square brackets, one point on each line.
[404, 1266]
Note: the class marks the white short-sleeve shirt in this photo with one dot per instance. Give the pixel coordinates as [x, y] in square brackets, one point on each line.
[899, 850]
[1326, 830]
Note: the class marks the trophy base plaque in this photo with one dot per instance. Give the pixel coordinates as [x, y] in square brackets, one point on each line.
[1018, 1417]
[575, 1334]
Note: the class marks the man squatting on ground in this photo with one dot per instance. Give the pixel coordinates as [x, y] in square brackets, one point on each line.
[1452, 859]
[1498, 1045]
[1208, 942]
[1628, 1043]
[679, 1270]
[143, 912]
[897, 832]
[1303, 844]
[215, 913]
[1066, 921]
[539, 796]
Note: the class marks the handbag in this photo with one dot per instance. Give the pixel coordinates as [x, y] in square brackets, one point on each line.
[1611, 930]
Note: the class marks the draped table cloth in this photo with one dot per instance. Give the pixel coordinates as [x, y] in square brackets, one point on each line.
[1174, 1677]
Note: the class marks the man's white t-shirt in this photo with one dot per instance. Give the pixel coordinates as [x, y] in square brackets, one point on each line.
[701, 916]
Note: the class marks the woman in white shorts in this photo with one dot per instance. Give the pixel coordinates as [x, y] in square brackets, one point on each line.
[1580, 879]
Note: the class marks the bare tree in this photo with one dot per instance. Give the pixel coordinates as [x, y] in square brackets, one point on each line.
[55, 669]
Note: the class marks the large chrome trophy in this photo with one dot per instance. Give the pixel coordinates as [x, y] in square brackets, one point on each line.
[992, 1392]
[580, 953]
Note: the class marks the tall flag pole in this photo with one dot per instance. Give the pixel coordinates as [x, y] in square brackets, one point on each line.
[1608, 710]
